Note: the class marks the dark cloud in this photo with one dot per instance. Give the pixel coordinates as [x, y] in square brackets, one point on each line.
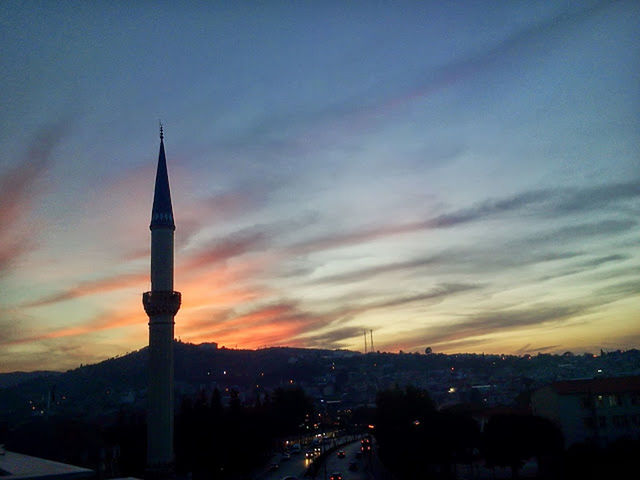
[546, 203]
[499, 321]
[586, 230]
[619, 290]
[367, 273]
[587, 266]
[545, 348]
[572, 200]
[333, 338]
[438, 293]
[627, 270]
[469, 260]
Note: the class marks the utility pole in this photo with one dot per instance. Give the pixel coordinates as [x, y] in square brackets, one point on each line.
[365, 341]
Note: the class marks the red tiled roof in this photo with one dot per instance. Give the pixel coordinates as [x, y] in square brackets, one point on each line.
[598, 385]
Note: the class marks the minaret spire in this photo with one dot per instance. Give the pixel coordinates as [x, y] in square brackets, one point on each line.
[162, 212]
[161, 305]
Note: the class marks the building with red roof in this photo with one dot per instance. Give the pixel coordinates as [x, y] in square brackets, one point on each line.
[597, 409]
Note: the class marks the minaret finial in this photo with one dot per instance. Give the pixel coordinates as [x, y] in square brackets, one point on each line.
[161, 131]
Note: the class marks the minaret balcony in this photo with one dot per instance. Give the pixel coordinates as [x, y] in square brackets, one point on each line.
[161, 302]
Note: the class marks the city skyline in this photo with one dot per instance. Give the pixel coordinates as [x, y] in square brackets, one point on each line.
[456, 177]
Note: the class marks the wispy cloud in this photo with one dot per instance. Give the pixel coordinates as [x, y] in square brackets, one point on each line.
[232, 246]
[586, 266]
[529, 349]
[18, 190]
[110, 320]
[92, 287]
[498, 321]
[545, 203]
[332, 339]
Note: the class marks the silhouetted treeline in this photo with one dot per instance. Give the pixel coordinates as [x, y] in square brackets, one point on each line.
[416, 440]
[510, 440]
[211, 441]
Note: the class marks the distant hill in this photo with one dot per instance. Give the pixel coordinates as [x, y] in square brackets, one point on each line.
[104, 387]
[16, 378]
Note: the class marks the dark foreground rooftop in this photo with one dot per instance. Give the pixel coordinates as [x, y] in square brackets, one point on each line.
[14, 466]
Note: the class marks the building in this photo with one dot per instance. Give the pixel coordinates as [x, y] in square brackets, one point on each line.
[16, 466]
[599, 409]
[161, 305]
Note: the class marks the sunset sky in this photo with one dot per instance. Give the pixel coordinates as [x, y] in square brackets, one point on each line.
[457, 175]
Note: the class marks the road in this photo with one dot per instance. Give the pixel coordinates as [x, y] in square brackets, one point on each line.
[297, 466]
[341, 465]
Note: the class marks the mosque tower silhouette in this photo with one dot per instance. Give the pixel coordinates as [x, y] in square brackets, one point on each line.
[161, 305]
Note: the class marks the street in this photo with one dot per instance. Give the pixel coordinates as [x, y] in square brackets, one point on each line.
[297, 465]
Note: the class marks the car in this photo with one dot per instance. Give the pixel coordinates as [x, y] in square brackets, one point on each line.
[309, 454]
[365, 445]
[289, 478]
[335, 476]
[273, 467]
[341, 454]
[285, 457]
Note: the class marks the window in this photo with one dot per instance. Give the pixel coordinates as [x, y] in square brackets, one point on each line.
[614, 400]
[620, 420]
[585, 402]
[635, 399]
[600, 401]
[602, 421]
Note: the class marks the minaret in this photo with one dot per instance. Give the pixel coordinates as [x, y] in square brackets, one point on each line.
[161, 305]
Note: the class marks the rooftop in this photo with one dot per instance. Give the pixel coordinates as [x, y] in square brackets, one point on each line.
[14, 466]
[598, 385]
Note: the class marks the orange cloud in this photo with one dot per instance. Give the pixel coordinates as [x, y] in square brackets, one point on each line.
[93, 287]
[103, 322]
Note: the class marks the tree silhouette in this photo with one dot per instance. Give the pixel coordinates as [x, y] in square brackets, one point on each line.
[509, 440]
[415, 440]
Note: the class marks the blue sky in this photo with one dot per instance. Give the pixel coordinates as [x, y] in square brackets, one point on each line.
[460, 176]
